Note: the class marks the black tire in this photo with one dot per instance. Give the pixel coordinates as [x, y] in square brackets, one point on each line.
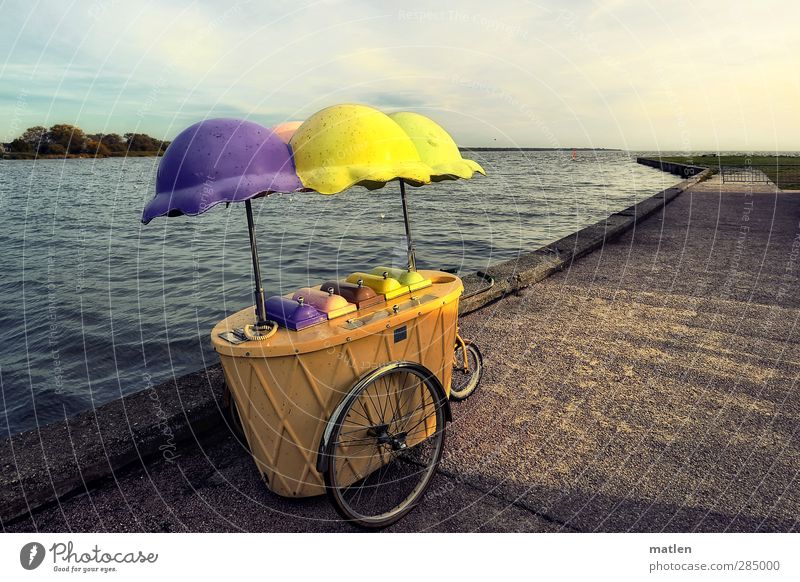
[385, 443]
[463, 384]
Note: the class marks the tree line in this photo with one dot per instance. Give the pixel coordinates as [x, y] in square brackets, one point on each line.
[64, 139]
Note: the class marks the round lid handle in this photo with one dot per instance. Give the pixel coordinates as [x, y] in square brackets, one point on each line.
[301, 300]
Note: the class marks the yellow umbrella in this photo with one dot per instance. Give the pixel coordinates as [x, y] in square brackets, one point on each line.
[435, 147]
[347, 145]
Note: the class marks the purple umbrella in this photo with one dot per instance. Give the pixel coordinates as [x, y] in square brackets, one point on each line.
[223, 160]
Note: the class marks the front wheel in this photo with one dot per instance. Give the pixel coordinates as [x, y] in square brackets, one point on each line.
[385, 443]
[466, 378]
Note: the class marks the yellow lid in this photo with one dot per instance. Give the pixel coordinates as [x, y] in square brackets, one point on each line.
[381, 283]
[412, 279]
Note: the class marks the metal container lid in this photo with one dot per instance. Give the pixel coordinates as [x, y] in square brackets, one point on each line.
[327, 302]
[293, 314]
[359, 294]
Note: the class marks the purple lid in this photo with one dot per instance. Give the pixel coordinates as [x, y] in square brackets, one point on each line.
[291, 314]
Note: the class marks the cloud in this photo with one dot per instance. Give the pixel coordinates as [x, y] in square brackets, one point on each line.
[580, 73]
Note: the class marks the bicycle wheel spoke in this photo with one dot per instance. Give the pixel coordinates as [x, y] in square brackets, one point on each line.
[370, 400]
[388, 402]
[363, 415]
[424, 405]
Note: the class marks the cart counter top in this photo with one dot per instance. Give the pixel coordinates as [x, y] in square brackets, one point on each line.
[445, 289]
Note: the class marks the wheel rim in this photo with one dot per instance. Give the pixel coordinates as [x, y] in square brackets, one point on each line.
[464, 382]
[386, 447]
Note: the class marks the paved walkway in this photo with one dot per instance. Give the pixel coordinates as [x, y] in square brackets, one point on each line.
[650, 387]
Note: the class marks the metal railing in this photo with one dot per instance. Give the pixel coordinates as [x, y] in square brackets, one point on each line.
[745, 174]
[782, 175]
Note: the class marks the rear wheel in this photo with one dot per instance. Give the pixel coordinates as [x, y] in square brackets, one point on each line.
[386, 441]
[466, 380]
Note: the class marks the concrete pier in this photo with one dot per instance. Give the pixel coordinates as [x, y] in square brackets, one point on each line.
[641, 375]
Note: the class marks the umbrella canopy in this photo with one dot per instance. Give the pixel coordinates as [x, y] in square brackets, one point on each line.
[286, 130]
[347, 145]
[220, 160]
[435, 147]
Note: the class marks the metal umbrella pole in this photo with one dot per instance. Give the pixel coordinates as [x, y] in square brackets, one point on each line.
[261, 308]
[412, 260]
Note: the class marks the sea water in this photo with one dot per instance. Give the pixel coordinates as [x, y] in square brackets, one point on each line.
[94, 305]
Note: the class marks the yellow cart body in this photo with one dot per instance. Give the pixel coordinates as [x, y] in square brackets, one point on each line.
[287, 387]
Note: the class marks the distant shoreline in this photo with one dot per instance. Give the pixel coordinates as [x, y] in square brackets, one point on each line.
[497, 149]
[35, 156]
[148, 154]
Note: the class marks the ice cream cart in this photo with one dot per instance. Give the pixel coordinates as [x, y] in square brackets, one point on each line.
[343, 387]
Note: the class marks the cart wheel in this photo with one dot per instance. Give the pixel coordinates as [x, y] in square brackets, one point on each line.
[465, 382]
[233, 417]
[385, 442]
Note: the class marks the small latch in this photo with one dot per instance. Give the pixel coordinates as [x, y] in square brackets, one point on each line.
[352, 324]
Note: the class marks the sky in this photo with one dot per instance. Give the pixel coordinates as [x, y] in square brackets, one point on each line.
[670, 76]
